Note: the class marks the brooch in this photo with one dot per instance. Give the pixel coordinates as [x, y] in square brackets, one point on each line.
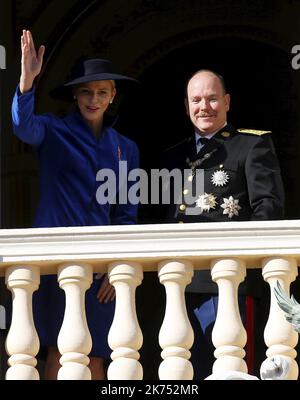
[206, 202]
[219, 178]
[231, 207]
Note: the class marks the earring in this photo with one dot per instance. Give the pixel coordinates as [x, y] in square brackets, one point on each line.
[74, 97]
[110, 102]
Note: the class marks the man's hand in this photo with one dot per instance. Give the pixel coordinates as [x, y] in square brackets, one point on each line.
[106, 291]
[31, 63]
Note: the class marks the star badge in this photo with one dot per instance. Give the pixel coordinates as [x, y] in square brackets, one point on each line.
[219, 178]
[206, 202]
[231, 206]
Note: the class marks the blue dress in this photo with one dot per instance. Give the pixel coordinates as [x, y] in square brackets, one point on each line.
[69, 158]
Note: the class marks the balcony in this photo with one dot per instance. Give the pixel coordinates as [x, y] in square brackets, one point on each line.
[128, 252]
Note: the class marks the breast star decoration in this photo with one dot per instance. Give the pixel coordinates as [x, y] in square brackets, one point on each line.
[219, 178]
[206, 202]
[231, 206]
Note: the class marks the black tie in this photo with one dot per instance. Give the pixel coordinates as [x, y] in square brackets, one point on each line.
[202, 140]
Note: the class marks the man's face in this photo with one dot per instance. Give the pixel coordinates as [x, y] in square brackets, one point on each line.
[206, 103]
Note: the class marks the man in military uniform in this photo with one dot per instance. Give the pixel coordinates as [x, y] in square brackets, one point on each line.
[242, 181]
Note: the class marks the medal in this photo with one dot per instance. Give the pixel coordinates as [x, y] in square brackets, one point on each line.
[231, 206]
[219, 178]
[119, 153]
[206, 202]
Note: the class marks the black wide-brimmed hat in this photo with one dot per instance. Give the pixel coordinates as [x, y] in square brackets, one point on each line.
[95, 69]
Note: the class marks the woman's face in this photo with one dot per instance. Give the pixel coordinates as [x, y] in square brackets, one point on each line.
[93, 98]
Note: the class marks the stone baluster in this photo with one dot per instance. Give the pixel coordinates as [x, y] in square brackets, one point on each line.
[176, 335]
[279, 335]
[229, 336]
[125, 336]
[74, 339]
[22, 342]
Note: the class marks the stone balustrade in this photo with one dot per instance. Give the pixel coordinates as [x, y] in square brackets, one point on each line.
[228, 249]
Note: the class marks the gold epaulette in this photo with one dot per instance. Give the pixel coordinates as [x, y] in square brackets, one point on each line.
[253, 131]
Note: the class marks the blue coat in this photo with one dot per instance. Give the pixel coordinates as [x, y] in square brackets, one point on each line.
[69, 158]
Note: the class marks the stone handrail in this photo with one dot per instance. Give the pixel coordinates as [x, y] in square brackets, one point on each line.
[125, 252]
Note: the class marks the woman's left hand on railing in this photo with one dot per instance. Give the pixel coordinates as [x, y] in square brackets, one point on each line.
[106, 291]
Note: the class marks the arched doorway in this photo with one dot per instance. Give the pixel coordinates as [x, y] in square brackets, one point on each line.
[162, 43]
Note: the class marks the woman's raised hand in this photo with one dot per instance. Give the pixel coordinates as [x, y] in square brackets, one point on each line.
[31, 63]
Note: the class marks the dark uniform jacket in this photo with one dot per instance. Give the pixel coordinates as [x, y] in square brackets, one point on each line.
[242, 181]
[240, 167]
